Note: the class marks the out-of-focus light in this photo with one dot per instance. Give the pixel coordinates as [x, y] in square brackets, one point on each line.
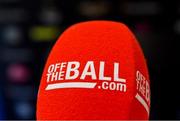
[18, 73]
[178, 112]
[23, 110]
[12, 15]
[16, 55]
[93, 8]
[43, 33]
[145, 36]
[142, 31]
[142, 27]
[9, 1]
[20, 92]
[12, 35]
[50, 16]
[178, 7]
[2, 111]
[177, 27]
[141, 8]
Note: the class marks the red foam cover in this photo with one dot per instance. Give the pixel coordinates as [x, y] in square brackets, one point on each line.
[96, 41]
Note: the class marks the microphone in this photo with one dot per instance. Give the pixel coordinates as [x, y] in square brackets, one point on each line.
[95, 71]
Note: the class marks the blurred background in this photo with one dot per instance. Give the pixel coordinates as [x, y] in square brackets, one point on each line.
[29, 28]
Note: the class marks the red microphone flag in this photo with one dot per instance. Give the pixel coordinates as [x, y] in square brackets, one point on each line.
[95, 71]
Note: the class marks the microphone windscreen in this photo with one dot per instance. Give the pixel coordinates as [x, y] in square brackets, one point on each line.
[95, 71]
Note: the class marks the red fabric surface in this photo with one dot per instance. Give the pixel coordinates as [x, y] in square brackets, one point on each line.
[94, 41]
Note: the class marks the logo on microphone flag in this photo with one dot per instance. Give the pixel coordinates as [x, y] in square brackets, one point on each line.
[63, 75]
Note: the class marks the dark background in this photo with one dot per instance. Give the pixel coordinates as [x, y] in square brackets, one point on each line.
[29, 28]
